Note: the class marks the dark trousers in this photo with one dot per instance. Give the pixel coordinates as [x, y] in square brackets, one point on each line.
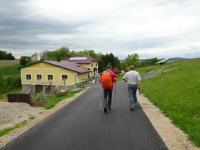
[107, 100]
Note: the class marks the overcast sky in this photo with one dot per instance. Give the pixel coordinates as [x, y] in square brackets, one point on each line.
[151, 28]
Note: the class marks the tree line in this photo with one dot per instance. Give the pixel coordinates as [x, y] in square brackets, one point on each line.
[64, 53]
[6, 56]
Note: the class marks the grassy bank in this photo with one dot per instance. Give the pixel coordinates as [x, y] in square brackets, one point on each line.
[9, 76]
[177, 94]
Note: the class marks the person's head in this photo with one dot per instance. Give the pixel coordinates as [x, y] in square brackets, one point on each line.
[116, 70]
[132, 67]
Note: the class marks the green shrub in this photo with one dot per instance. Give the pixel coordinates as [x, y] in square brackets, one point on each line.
[10, 83]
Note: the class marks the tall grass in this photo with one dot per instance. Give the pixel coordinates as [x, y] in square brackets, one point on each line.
[177, 94]
[9, 78]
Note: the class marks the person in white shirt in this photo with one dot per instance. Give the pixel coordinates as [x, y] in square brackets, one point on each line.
[133, 79]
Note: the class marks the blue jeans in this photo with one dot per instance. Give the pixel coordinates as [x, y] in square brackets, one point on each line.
[132, 89]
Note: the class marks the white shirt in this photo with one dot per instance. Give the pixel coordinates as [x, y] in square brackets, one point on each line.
[132, 77]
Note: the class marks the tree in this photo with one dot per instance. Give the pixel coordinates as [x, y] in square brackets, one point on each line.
[25, 60]
[6, 56]
[91, 53]
[108, 59]
[147, 62]
[132, 59]
[3, 55]
[10, 56]
[65, 53]
[58, 55]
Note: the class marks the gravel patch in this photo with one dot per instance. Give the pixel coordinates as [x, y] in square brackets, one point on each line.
[14, 113]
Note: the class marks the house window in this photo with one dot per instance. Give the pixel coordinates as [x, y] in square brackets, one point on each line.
[64, 77]
[50, 77]
[28, 77]
[96, 64]
[39, 76]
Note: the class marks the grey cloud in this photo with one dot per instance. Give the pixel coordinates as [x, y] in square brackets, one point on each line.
[17, 31]
[24, 35]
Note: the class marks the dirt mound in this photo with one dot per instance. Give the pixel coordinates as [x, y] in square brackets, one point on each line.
[14, 113]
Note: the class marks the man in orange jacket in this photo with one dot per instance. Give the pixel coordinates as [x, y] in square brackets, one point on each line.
[107, 79]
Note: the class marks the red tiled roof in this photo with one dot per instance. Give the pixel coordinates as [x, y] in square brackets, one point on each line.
[68, 65]
[82, 60]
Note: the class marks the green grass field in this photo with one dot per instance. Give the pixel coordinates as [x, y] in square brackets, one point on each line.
[7, 63]
[9, 76]
[168, 66]
[10, 71]
[177, 94]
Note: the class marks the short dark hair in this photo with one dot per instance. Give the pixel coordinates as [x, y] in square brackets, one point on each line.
[109, 66]
[132, 67]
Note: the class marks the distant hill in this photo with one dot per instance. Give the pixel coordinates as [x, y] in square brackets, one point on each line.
[177, 59]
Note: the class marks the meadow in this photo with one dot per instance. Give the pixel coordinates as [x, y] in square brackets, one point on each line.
[177, 94]
[7, 63]
[9, 77]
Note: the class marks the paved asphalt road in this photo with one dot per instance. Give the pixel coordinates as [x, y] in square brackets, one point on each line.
[81, 125]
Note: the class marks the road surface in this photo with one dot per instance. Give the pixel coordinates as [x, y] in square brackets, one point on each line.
[81, 125]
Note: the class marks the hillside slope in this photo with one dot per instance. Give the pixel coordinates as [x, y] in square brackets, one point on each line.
[177, 93]
[7, 63]
[9, 76]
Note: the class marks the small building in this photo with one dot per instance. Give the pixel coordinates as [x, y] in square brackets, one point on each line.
[50, 76]
[87, 62]
[163, 61]
[170, 60]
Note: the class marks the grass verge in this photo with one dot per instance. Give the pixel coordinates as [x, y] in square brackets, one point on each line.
[49, 102]
[177, 94]
[8, 130]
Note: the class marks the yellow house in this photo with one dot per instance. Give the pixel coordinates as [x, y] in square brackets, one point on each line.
[52, 76]
[87, 62]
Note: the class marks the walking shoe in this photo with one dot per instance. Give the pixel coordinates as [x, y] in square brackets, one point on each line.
[132, 108]
[105, 110]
